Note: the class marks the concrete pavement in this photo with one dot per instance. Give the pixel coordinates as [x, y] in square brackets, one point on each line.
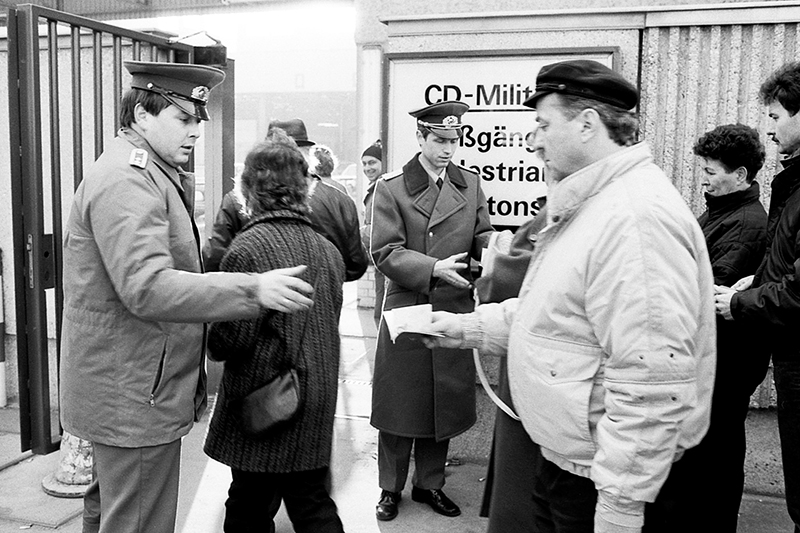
[25, 507]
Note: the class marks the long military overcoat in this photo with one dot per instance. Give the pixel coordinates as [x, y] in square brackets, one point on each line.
[418, 392]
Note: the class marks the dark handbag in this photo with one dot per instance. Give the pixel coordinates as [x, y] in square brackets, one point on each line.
[275, 403]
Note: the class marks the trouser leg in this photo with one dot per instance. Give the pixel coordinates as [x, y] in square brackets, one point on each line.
[91, 504]
[561, 501]
[253, 501]
[138, 487]
[430, 457]
[308, 503]
[394, 454]
[787, 385]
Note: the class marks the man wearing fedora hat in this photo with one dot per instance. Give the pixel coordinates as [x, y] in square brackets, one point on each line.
[611, 341]
[136, 302]
[428, 220]
[333, 213]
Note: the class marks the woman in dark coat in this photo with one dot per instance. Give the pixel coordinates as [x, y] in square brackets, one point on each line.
[735, 228]
[290, 463]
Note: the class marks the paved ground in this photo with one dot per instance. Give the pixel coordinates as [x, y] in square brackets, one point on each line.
[25, 507]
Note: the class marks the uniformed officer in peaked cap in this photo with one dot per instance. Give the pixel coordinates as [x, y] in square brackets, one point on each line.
[428, 220]
[183, 85]
[443, 119]
[136, 301]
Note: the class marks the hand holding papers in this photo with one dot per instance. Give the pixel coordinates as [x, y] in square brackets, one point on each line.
[412, 319]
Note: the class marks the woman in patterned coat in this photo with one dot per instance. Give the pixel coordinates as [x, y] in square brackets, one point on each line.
[291, 463]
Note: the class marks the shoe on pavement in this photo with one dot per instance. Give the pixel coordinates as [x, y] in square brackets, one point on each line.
[387, 505]
[437, 500]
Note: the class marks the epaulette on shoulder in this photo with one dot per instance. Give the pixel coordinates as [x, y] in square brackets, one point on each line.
[467, 170]
[391, 175]
[138, 158]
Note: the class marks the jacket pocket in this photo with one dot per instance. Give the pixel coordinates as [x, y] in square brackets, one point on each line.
[557, 388]
[159, 378]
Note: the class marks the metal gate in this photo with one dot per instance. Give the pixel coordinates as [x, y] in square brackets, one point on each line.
[65, 83]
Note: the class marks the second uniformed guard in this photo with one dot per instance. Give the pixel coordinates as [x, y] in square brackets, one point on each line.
[135, 302]
[428, 219]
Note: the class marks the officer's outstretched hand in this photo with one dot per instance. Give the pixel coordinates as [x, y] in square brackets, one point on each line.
[282, 290]
[448, 325]
[447, 270]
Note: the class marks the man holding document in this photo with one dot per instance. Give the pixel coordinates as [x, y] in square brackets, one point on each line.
[428, 219]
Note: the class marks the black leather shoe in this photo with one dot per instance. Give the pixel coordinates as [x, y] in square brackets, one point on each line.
[387, 506]
[437, 500]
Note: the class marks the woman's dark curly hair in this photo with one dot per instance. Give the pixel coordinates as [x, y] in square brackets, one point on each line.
[734, 146]
[274, 177]
[783, 86]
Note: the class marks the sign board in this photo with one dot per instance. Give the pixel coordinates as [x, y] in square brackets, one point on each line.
[495, 127]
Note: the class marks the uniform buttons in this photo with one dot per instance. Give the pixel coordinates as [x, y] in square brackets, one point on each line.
[556, 219]
[553, 373]
[430, 234]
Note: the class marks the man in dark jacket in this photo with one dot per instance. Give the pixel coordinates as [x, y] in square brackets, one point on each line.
[768, 303]
[333, 214]
[428, 219]
[735, 228]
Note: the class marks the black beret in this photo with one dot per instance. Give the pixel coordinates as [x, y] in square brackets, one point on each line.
[587, 79]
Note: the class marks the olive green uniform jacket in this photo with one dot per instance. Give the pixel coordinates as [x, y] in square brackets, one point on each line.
[132, 346]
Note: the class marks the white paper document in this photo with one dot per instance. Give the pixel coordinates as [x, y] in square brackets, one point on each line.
[412, 319]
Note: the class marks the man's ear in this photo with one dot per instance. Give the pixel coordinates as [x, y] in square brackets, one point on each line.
[589, 123]
[420, 138]
[140, 116]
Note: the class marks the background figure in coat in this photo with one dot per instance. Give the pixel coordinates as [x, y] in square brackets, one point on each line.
[292, 461]
[735, 228]
[325, 162]
[767, 304]
[372, 164]
[427, 221]
[333, 213]
[135, 302]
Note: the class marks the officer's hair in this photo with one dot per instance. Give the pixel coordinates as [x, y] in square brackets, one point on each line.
[424, 130]
[274, 177]
[783, 86]
[622, 125]
[734, 146]
[152, 102]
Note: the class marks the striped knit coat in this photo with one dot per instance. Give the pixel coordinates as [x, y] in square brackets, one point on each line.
[257, 350]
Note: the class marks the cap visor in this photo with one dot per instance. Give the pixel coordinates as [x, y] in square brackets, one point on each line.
[531, 102]
[447, 134]
[305, 143]
[190, 108]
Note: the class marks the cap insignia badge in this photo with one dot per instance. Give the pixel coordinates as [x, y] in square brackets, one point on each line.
[450, 120]
[200, 93]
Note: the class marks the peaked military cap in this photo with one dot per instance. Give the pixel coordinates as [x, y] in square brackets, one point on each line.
[294, 128]
[587, 79]
[442, 118]
[181, 84]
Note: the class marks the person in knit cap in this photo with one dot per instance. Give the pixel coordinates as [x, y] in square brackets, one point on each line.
[372, 164]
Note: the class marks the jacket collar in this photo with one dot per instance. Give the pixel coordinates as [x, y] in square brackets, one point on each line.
[278, 215]
[734, 200]
[565, 197]
[416, 178]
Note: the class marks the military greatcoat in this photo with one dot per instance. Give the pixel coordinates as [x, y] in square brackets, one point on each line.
[418, 392]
